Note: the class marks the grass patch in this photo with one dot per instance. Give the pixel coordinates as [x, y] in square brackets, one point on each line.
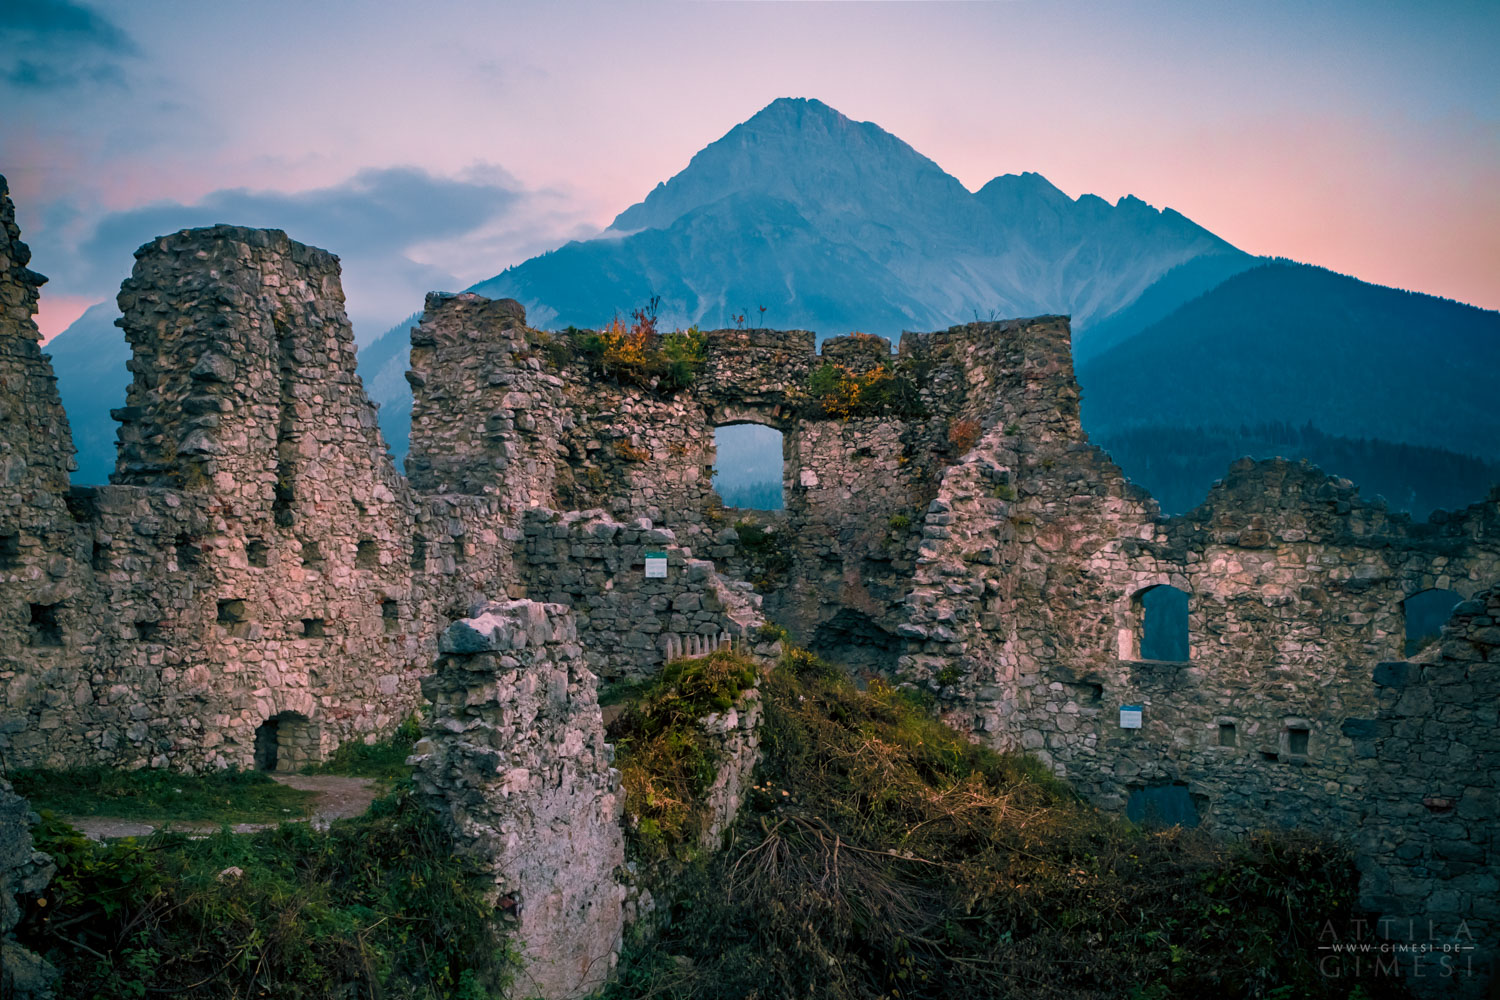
[666, 761]
[230, 796]
[881, 854]
[377, 906]
[385, 760]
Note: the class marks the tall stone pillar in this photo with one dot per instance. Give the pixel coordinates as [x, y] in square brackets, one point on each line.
[516, 764]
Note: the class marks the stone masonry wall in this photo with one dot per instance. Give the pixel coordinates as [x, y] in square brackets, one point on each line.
[1025, 616]
[1427, 831]
[515, 762]
[632, 625]
[260, 560]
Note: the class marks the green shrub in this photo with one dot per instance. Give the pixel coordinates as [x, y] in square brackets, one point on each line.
[885, 390]
[385, 760]
[376, 906]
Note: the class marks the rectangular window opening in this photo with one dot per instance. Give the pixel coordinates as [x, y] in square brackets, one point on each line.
[1227, 735]
[366, 554]
[1297, 740]
[10, 550]
[313, 628]
[45, 629]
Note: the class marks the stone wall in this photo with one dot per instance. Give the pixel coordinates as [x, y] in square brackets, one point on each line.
[630, 624]
[1025, 617]
[24, 872]
[259, 563]
[515, 762]
[1427, 831]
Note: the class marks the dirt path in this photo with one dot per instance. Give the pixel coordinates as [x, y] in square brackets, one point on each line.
[336, 797]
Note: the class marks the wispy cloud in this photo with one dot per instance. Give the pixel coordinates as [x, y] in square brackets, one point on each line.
[48, 45]
[385, 225]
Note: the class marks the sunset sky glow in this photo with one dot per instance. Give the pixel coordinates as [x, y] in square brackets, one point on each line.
[434, 145]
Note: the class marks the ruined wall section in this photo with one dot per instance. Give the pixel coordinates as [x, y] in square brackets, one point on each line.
[1429, 844]
[630, 624]
[41, 573]
[487, 417]
[261, 560]
[36, 454]
[516, 764]
[1025, 616]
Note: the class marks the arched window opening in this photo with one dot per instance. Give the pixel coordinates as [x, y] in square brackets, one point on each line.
[1426, 614]
[286, 742]
[748, 467]
[1161, 624]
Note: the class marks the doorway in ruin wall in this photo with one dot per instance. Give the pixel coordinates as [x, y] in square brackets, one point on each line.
[287, 742]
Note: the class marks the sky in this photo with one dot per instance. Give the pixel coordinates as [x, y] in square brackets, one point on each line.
[433, 145]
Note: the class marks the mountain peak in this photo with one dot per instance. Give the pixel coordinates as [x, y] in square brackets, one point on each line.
[798, 150]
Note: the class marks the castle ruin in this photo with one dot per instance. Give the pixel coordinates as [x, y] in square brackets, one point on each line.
[258, 584]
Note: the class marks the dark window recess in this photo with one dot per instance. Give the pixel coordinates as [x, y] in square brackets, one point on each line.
[45, 630]
[258, 554]
[312, 556]
[1296, 741]
[1269, 755]
[313, 628]
[81, 505]
[99, 558]
[281, 504]
[366, 554]
[1163, 633]
[10, 550]
[1163, 805]
[390, 613]
[187, 552]
[460, 556]
[419, 553]
[234, 617]
[1426, 613]
[147, 631]
[1227, 736]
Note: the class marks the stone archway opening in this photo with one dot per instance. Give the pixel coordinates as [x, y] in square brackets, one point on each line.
[1426, 612]
[1160, 624]
[286, 742]
[855, 640]
[749, 466]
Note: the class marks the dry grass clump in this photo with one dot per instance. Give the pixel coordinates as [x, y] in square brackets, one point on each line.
[881, 854]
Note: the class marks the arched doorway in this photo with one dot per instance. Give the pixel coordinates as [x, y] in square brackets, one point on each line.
[287, 741]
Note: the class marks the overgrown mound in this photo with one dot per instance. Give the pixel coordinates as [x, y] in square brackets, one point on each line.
[666, 760]
[375, 907]
[881, 854]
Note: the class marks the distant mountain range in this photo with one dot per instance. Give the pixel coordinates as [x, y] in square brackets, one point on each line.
[834, 225]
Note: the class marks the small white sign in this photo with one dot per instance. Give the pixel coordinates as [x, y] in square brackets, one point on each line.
[656, 565]
[1130, 716]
